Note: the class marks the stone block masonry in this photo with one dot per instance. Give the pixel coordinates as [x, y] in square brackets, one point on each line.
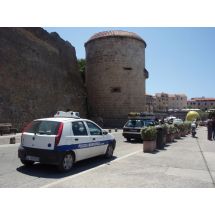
[38, 76]
[115, 75]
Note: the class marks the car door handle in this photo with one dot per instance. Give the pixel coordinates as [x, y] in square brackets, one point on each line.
[76, 139]
[94, 138]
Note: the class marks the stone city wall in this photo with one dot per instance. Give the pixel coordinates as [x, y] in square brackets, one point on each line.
[38, 76]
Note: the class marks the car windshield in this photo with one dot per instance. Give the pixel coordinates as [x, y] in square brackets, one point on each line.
[43, 127]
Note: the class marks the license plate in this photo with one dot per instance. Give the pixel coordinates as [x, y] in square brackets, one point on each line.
[32, 158]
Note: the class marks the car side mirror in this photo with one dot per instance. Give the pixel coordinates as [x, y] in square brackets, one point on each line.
[105, 132]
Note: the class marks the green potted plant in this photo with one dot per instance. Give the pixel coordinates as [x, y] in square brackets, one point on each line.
[177, 131]
[182, 128]
[171, 133]
[187, 127]
[165, 131]
[149, 135]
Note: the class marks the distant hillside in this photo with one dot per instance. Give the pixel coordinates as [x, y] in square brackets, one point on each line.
[38, 75]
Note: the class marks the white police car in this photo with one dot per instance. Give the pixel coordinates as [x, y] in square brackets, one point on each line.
[64, 140]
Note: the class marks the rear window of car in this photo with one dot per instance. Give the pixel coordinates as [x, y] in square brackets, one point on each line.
[139, 123]
[135, 123]
[43, 127]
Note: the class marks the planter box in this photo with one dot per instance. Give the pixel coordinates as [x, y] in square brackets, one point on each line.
[164, 139]
[160, 138]
[183, 134]
[170, 138]
[177, 135]
[149, 146]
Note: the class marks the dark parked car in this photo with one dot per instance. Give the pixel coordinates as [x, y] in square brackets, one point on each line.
[132, 129]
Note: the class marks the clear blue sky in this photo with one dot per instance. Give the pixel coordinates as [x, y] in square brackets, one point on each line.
[179, 60]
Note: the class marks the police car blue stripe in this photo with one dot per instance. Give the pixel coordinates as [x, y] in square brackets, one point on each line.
[81, 145]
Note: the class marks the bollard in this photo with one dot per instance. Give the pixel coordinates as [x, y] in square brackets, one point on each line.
[12, 140]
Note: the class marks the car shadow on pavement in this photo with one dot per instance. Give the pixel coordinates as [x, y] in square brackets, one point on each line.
[51, 171]
[133, 141]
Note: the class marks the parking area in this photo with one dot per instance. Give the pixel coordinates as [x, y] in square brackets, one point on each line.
[189, 162]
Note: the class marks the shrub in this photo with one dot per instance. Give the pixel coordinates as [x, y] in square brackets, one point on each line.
[176, 126]
[180, 127]
[187, 125]
[165, 129]
[211, 115]
[149, 133]
[203, 115]
[172, 129]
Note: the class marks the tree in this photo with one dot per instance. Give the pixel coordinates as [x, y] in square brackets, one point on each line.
[211, 115]
[82, 68]
[203, 115]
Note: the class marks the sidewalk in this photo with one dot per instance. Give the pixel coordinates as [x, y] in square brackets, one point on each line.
[187, 163]
[5, 139]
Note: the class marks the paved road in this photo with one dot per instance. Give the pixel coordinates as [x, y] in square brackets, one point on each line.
[188, 162]
[14, 174]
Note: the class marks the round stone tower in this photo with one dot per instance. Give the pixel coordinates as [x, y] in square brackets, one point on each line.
[115, 76]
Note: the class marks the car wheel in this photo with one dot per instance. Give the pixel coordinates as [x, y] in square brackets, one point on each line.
[27, 163]
[109, 151]
[66, 163]
[128, 139]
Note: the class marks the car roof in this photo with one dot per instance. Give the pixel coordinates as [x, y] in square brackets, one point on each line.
[61, 119]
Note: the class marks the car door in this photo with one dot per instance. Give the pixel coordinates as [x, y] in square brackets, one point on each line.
[98, 140]
[80, 140]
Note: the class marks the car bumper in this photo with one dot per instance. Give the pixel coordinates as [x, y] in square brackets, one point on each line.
[131, 135]
[44, 156]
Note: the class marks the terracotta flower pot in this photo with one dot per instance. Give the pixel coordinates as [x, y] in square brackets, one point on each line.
[183, 133]
[177, 135]
[170, 138]
[149, 146]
